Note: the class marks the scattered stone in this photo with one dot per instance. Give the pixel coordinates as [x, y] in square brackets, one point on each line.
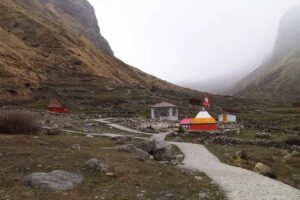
[89, 136]
[174, 162]
[68, 125]
[242, 154]
[94, 164]
[198, 178]
[169, 195]
[263, 135]
[125, 148]
[125, 138]
[76, 147]
[264, 170]
[203, 196]
[51, 130]
[177, 139]
[179, 157]
[111, 174]
[55, 181]
[292, 155]
[296, 148]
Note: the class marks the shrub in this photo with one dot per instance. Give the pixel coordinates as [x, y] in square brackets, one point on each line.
[18, 122]
[292, 140]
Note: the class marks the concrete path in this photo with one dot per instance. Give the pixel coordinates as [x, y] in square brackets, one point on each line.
[120, 127]
[109, 135]
[237, 183]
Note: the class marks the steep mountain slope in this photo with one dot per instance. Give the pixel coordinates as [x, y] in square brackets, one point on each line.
[279, 78]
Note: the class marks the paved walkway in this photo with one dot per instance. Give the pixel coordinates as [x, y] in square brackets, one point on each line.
[120, 127]
[237, 183]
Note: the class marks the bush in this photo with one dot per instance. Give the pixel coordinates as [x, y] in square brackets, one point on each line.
[292, 140]
[18, 122]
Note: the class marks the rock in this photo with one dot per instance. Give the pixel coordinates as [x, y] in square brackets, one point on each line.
[203, 196]
[179, 157]
[242, 154]
[264, 170]
[292, 155]
[147, 146]
[94, 164]
[125, 138]
[296, 148]
[162, 151]
[177, 139]
[141, 155]
[68, 125]
[51, 130]
[263, 135]
[55, 181]
[174, 162]
[76, 147]
[89, 136]
[125, 148]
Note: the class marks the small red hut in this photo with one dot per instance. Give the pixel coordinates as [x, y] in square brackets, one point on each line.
[55, 107]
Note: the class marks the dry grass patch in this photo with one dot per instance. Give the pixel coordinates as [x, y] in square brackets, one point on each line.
[18, 122]
[22, 155]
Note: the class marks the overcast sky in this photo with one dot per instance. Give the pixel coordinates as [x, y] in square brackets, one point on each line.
[188, 40]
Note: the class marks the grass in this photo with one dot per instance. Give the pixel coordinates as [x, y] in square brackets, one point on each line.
[22, 155]
[18, 122]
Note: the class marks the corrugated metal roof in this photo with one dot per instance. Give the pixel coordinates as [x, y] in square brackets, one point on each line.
[54, 104]
[164, 105]
[185, 121]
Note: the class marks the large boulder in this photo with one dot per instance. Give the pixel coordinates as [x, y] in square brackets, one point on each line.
[146, 145]
[55, 181]
[162, 151]
[141, 155]
[94, 164]
[264, 170]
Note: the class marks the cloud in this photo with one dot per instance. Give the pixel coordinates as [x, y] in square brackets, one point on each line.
[180, 40]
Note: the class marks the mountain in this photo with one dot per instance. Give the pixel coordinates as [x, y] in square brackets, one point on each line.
[53, 49]
[278, 79]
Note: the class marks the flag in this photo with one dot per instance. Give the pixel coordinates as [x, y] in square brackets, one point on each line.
[206, 103]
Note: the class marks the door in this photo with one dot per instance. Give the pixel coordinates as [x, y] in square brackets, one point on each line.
[225, 118]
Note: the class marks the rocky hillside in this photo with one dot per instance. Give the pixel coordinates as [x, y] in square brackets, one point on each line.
[278, 79]
[53, 49]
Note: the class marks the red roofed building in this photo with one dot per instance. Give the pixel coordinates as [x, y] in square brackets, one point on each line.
[55, 107]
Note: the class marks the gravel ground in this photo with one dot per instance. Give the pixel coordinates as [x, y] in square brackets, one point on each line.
[237, 183]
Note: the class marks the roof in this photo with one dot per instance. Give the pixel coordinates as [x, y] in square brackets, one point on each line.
[203, 114]
[204, 121]
[204, 117]
[185, 121]
[54, 104]
[164, 105]
[227, 114]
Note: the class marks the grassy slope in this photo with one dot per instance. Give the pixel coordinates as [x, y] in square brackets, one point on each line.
[134, 179]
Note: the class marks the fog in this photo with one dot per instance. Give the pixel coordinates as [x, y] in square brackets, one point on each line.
[206, 44]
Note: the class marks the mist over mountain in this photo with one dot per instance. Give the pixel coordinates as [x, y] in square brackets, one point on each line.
[278, 79]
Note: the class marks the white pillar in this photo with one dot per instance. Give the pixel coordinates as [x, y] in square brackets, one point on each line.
[152, 113]
[170, 114]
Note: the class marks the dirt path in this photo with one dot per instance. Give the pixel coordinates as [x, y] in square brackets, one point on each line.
[237, 183]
